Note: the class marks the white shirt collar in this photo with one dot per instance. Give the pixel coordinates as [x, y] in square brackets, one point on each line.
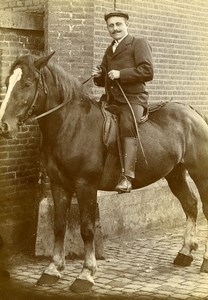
[118, 41]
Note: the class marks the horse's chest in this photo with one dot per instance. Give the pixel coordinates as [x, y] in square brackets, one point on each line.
[70, 164]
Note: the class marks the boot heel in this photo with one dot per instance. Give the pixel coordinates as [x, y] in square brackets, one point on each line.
[124, 185]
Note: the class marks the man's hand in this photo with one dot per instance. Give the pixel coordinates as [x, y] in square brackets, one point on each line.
[114, 74]
[96, 71]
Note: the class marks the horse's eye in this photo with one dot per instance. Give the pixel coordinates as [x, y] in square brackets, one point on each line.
[28, 84]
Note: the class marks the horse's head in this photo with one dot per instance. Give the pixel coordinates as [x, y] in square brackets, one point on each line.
[24, 87]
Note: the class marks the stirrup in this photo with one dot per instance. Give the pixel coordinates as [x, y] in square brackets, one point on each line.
[124, 184]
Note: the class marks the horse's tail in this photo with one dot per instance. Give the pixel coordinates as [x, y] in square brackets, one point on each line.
[205, 118]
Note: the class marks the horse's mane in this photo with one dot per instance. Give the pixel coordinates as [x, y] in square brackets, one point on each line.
[70, 86]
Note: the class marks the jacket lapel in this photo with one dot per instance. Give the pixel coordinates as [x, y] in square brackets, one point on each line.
[109, 51]
[122, 45]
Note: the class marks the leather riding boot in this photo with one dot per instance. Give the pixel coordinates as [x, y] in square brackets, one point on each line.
[129, 146]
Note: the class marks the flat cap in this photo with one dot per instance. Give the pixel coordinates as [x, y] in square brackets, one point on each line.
[116, 13]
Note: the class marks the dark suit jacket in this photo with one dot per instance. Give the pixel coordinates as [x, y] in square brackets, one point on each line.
[133, 58]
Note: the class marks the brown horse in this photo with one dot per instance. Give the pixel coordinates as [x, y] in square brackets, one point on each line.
[175, 139]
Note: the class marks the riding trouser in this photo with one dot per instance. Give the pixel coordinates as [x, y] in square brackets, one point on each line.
[126, 121]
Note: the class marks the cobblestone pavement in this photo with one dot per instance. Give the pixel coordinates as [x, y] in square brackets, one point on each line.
[137, 268]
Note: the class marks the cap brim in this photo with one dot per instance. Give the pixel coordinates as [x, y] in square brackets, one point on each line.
[116, 14]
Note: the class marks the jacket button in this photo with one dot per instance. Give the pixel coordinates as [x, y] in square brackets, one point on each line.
[111, 87]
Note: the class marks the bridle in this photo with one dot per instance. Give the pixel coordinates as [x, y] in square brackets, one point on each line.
[41, 82]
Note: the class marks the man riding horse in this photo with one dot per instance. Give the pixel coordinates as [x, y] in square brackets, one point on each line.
[74, 152]
[126, 66]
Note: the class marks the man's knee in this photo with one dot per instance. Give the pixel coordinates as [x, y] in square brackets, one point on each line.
[138, 111]
[127, 121]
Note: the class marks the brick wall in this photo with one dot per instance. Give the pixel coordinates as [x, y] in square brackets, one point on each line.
[72, 31]
[20, 33]
[178, 33]
[69, 31]
[23, 5]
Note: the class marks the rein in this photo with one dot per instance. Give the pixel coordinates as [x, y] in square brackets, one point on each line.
[50, 111]
[41, 79]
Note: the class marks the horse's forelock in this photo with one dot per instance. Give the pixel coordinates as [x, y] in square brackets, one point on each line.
[27, 60]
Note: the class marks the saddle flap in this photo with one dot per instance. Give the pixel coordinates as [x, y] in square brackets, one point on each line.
[110, 128]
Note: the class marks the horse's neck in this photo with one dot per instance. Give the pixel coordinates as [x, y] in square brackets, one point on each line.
[73, 118]
[73, 121]
[55, 123]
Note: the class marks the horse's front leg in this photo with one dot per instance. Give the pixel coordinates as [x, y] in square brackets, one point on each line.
[62, 203]
[87, 198]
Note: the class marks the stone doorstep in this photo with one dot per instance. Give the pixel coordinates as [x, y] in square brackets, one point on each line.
[117, 215]
[73, 241]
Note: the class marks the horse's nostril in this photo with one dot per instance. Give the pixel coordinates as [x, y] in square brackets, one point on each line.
[5, 127]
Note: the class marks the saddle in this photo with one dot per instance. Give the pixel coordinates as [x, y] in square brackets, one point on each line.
[110, 124]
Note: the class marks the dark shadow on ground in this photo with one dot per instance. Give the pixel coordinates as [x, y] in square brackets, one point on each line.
[11, 291]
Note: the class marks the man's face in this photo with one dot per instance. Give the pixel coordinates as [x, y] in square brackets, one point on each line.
[117, 27]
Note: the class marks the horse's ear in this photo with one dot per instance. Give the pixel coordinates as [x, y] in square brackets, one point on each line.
[42, 61]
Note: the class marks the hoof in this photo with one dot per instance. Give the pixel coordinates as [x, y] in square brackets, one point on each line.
[204, 266]
[81, 286]
[183, 260]
[4, 275]
[47, 279]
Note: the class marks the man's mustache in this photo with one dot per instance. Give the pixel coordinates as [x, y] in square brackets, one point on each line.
[115, 31]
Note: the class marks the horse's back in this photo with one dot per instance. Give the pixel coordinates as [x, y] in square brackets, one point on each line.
[176, 112]
[178, 120]
[183, 131]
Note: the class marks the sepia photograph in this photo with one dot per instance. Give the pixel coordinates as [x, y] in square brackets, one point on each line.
[103, 149]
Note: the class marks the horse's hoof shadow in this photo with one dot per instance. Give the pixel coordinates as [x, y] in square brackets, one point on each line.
[183, 260]
[47, 279]
[4, 275]
[81, 286]
[204, 266]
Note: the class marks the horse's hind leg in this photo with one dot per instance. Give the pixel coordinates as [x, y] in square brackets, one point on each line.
[62, 201]
[202, 185]
[180, 188]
